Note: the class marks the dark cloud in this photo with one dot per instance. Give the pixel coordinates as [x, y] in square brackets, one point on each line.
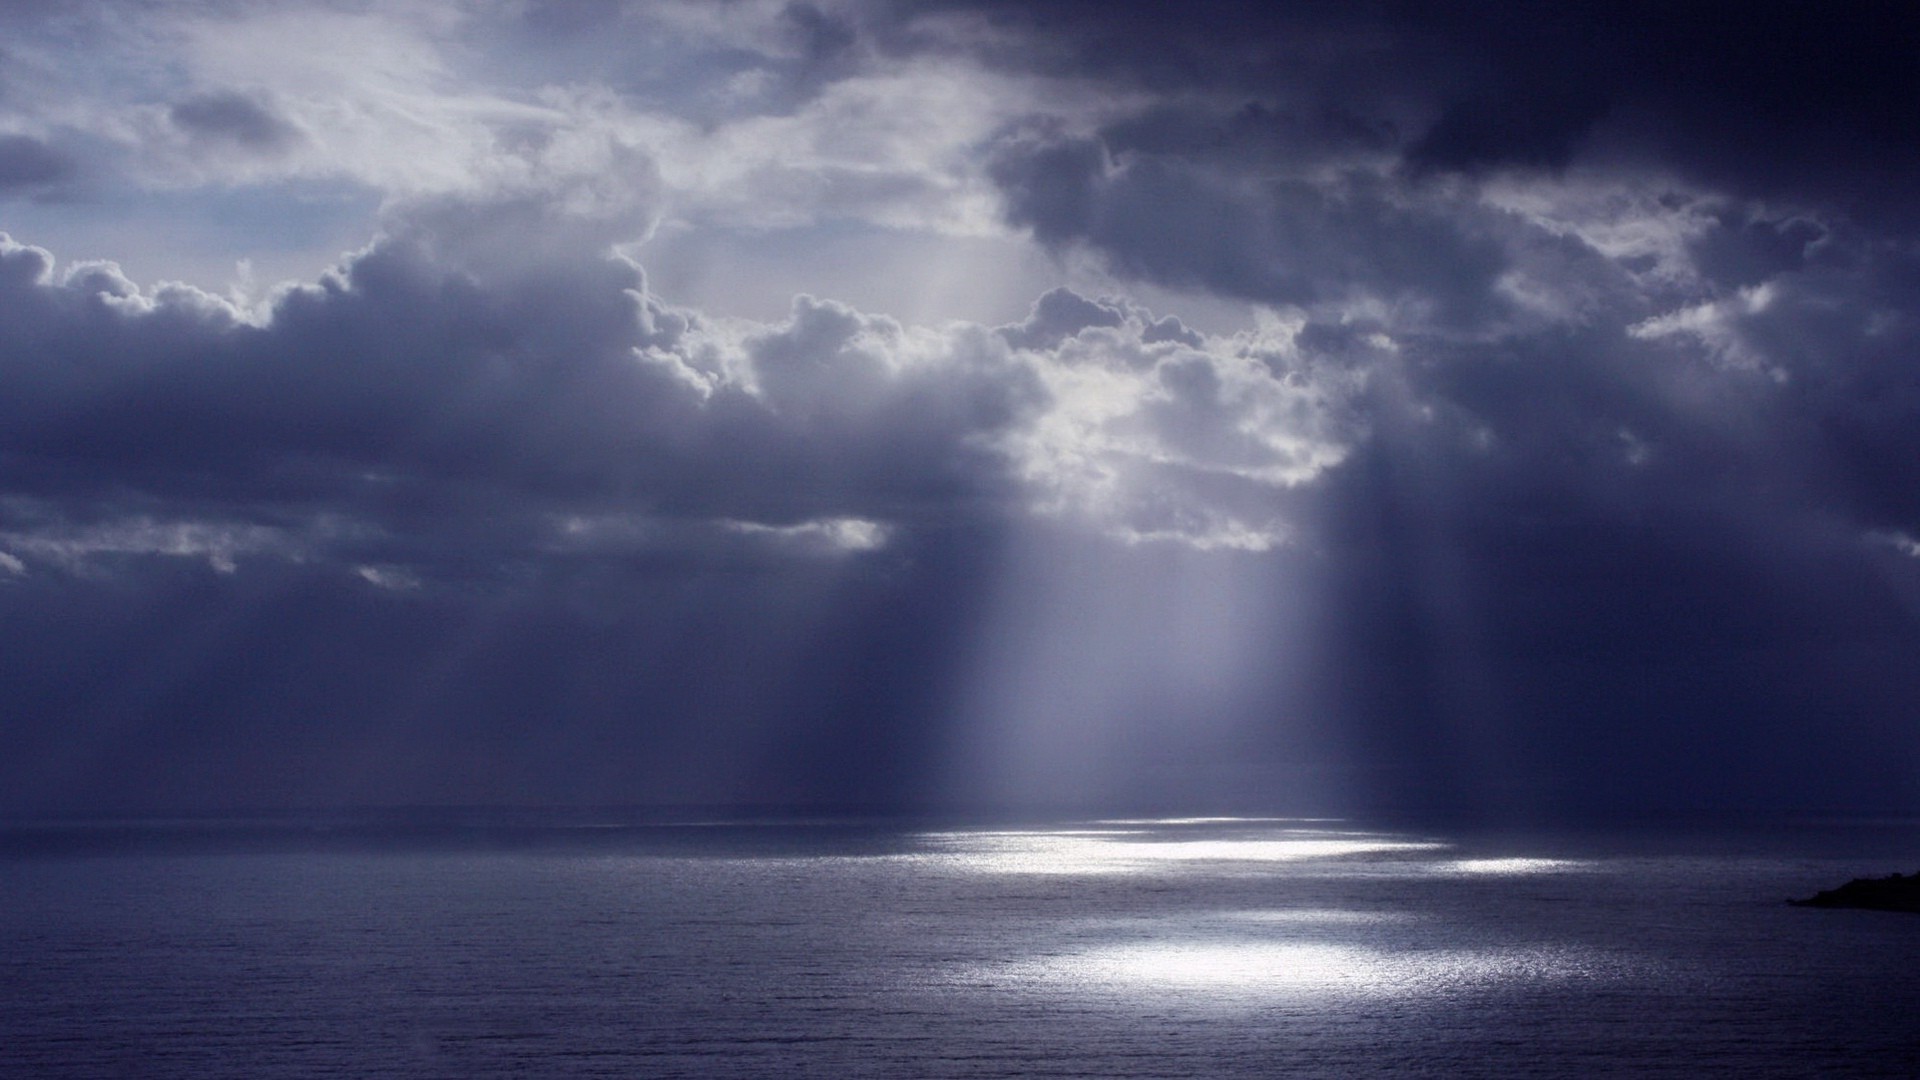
[827, 43]
[233, 117]
[1526, 130]
[1790, 101]
[1286, 182]
[30, 166]
[414, 396]
[1052, 184]
[1255, 131]
[1217, 225]
[1060, 314]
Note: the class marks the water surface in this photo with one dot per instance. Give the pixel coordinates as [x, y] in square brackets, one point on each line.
[1102, 948]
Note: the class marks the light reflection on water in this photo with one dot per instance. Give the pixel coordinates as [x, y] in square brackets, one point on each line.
[1141, 850]
[1260, 953]
[1179, 821]
[1511, 866]
[1268, 969]
[1314, 916]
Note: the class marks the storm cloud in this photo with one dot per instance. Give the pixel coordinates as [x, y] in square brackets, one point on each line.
[1409, 413]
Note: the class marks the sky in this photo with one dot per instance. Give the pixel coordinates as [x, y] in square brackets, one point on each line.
[1352, 408]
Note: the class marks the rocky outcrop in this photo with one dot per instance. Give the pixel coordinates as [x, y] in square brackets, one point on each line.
[1895, 892]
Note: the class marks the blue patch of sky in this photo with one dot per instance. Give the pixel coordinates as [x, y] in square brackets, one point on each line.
[284, 230]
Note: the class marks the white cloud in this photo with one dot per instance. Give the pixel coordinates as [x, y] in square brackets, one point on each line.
[1716, 324]
[1902, 542]
[393, 578]
[830, 535]
[1644, 225]
[221, 544]
[1164, 440]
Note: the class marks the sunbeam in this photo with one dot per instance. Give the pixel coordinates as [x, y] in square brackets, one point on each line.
[1148, 676]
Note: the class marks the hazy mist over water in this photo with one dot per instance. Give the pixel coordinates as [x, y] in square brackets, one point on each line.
[1201, 947]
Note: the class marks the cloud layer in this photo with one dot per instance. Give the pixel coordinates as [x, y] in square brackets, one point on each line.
[1534, 400]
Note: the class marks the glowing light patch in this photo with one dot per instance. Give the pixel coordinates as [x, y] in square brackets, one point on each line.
[1314, 917]
[1265, 969]
[1232, 965]
[1217, 821]
[828, 534]
[1510, 866]
[1898, 541]
[1090, 852]
[388, 577]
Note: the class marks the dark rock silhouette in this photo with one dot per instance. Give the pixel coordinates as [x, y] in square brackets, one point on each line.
[1895, 892]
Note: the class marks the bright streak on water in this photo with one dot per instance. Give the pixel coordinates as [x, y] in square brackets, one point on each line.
[1087, 851]
[1265, 971]
[1314, 916]
[1511, 866]
[1177, 821]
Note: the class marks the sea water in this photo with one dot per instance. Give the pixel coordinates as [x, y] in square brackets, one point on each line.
[1219, 948]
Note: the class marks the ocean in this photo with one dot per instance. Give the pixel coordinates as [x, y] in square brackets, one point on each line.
[1113, 948]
